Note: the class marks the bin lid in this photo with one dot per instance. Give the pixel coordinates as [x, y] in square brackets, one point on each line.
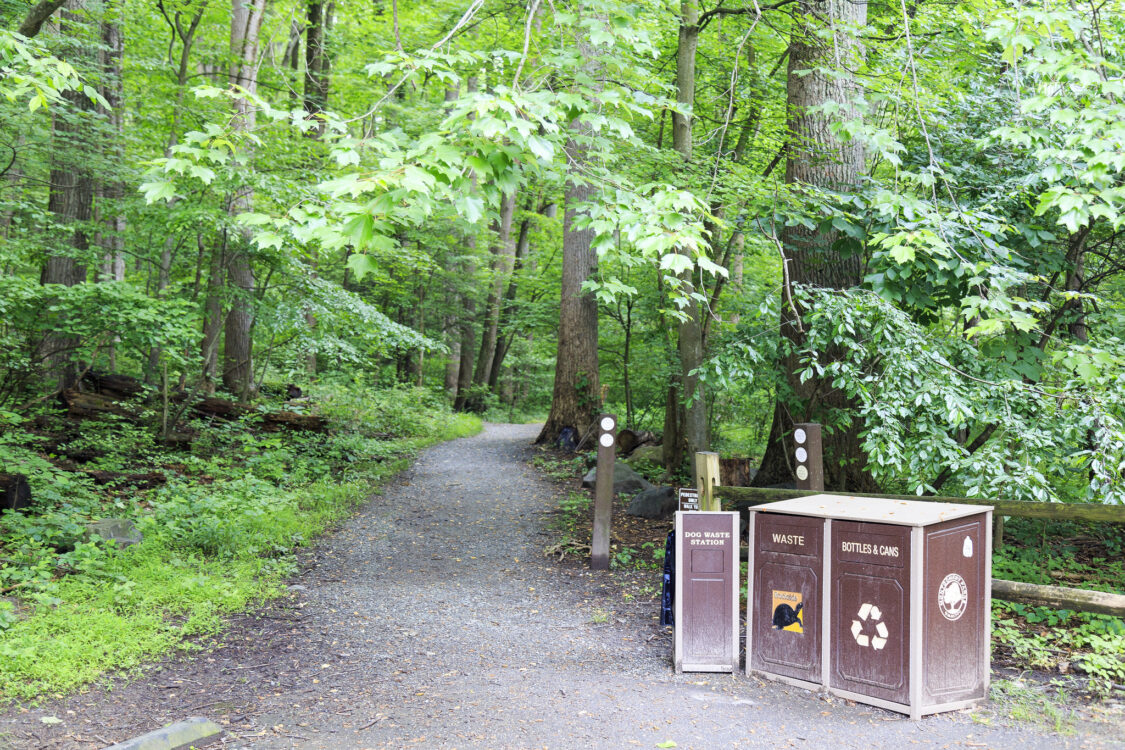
[872, 509]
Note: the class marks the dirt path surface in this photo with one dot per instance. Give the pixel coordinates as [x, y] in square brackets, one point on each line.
[432, 619]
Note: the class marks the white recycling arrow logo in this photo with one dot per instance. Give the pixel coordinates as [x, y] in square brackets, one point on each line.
[870, 613]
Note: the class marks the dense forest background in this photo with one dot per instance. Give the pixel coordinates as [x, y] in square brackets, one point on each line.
[900, 219]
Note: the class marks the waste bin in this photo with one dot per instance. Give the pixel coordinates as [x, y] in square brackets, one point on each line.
[705, 638]
[784, 613]
[907, 589]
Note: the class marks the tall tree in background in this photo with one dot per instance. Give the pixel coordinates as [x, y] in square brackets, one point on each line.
[238, 375]
[71, 193]
[823, 53]
[575, 398]
[503, 252]
[685, 417]
[317, 81]
[111, 192]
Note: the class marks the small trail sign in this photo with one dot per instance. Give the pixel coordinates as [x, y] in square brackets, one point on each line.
[689, 498]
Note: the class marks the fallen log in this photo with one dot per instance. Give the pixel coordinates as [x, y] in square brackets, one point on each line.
[292, 420]
[1059, 597]
[114, 386]
[221, 408]
[82, 405]
[271, 420]
[176, 440]
[16, 492]
[740, 498]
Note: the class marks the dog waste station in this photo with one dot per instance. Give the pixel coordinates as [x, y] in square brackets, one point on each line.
[705, 637]
[885, 602]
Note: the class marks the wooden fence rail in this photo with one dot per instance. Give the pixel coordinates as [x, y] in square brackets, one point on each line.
[743, 497]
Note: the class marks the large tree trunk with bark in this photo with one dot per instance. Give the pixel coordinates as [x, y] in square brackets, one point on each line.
[824, 37]
[238, 373]
[71, 200]
[575, 400]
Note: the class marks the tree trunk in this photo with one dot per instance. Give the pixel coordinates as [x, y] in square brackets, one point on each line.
[213, 320]
[112, 193]
[523, 245]
[815, 158]
[38, 14]
[685, 76]
[1076, 281]
[468, 302]
[575, 399]
[238, 372]
[452, 366]
[71, 199]
[316, 61]
[503, 252]
[689, 400]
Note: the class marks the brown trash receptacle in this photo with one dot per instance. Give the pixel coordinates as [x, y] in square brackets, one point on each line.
[785, 589]
[707, 588]
[908, 599]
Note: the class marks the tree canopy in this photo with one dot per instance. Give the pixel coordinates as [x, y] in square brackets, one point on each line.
[716, 218]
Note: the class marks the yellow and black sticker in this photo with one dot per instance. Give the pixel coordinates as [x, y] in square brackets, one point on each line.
[788, 612]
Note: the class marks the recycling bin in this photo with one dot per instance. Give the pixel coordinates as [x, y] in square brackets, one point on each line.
[904, 601]
[705, 636]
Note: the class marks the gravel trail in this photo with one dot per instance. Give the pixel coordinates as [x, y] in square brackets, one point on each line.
[432, 619]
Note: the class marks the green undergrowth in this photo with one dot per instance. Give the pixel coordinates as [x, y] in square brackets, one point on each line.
[1085, 556]
[219, 535]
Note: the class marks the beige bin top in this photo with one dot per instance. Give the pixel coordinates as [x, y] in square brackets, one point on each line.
[872, 509]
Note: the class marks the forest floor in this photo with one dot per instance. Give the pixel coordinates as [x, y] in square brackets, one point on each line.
[432, 618]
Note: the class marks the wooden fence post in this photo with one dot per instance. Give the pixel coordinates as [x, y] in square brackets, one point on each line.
[707, 479]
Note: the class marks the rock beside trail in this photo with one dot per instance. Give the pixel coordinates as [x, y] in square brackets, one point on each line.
[652, 453]
[659, 503]
[120, 530]
[624, 479]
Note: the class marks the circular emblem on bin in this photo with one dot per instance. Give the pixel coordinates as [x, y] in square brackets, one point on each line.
[952, 597]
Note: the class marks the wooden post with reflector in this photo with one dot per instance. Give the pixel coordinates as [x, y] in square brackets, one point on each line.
[603, 492]
[808, 460]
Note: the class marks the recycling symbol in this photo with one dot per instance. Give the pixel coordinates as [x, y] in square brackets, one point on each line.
[869, 613]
